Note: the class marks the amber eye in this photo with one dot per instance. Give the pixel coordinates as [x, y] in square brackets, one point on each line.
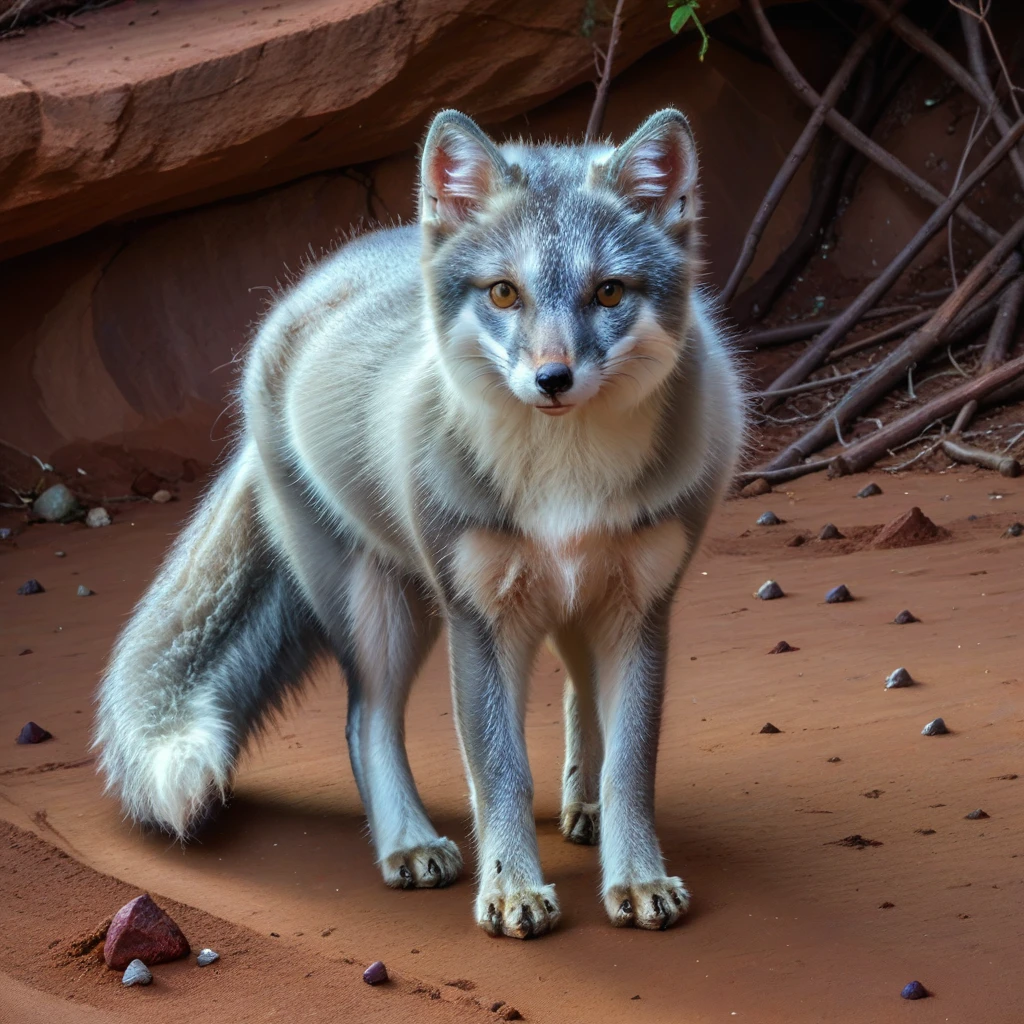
[609, 293]
[503, 295]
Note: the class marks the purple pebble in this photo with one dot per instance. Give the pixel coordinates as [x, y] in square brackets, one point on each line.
[837, 595]
[376, 973]
[914, 990]
[31, 587]
[32, 733]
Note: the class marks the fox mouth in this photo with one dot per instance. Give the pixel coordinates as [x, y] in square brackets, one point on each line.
[555, 410]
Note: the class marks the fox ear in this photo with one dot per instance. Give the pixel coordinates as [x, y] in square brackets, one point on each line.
[655, 169]
[459, 170]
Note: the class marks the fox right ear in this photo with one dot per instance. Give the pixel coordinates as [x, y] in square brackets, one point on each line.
[459, 170]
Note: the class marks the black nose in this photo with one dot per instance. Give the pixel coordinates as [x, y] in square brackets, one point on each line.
[554, 378]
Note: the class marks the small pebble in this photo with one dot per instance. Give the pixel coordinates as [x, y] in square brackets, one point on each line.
[887, 905]
[898, 679]
[136, 973]
[32, 733]
[870, 491]
[376, 973]
[837, 595]
[795, 542]
[769, 728]
[904, 617]
[84, 591]
[206, 957]
[97, 517]
[162, 496]
[937, 727]
[1015, 530]
[55, 503]
[783, 648]
[972, 517]
[5, 533]
[829, 532]
[769, 519]
[756, 488]
[976, 815]
[834, 760]
[769, 591]
[914, 990]
[31, 587]
[60, 554]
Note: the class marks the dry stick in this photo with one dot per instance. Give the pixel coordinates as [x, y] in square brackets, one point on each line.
[792, 163]
[864, 453]
[601, 99]
[778, 476]
[976, 85]
[808, 328]
[894, 367]
[876, 339]
[842, 127]
[816, 353]
[812, 385]
[1005, 465]
[998, 343]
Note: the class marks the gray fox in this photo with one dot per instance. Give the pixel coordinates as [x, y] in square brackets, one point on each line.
[513, 418]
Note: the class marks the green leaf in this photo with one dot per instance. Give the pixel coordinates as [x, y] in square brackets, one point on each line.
[680, 16]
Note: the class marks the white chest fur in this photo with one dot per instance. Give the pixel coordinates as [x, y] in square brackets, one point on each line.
[525, 582]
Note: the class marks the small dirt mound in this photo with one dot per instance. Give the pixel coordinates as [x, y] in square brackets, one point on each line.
[909, 530]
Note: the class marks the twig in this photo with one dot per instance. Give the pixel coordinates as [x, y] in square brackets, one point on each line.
[842, 127]
[979, 70]
[812, 385]
[876, 339]
[601, 99]
[807, 328]
[815, 355]
[972, 137]
[778, 476]
[1013, 441]
[981, 91]
[876, 384]
[1005, 465]
[796, 156]
[999, 336]
[861, 455]
[963, 418]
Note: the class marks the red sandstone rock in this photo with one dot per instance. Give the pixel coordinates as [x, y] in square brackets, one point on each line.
[141, 930]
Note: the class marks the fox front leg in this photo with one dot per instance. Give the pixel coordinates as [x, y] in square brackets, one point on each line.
[489, 676]
[636, 889]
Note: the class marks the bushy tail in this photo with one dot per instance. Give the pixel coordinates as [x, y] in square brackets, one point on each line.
[217, 642]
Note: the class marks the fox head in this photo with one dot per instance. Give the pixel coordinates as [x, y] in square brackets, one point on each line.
[559, 276]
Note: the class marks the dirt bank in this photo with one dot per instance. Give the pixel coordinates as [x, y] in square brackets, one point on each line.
[787, 926]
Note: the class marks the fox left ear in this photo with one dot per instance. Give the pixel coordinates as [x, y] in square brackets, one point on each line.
[655, 169]
[460, 169]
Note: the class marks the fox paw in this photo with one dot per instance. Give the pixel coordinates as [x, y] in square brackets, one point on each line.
[581, 823]
[429, 866]
[521, 913]
[655, 905]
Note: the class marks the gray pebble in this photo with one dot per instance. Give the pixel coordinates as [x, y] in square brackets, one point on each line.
[60, 554]
[937, 727]
[870, 491]
[769, 728]
[769, 519]
[829, 532]
[84, 591]
[898, 679]
[976, 815]
[55, 503]
[31, 587]
[136, 973]
[769, 590]
[97, 517]
[837, 595]
[905, 617]
[1015, 530]
[206, 956]
[5, 533]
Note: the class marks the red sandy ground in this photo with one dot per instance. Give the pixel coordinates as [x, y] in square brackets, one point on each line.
[785, 927]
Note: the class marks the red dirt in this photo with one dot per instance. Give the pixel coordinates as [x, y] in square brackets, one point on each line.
[909, 530]
[786, 927]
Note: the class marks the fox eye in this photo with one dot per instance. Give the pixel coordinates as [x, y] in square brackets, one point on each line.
[503, 295]
[609, 293]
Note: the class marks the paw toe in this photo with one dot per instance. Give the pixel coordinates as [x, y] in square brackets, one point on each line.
[654, 905]
[581, 823]
[429, 866]
[521, 914]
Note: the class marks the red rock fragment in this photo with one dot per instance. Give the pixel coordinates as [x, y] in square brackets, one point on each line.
[32, 733]
[782, 648]
[142, 931]
[909, 530]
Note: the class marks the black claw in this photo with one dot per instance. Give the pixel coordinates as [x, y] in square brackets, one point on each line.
[625, 907]
[527, 919]
[405, 874]
[675, 899]
[661, 909]
[550, 909]
[432, 867]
